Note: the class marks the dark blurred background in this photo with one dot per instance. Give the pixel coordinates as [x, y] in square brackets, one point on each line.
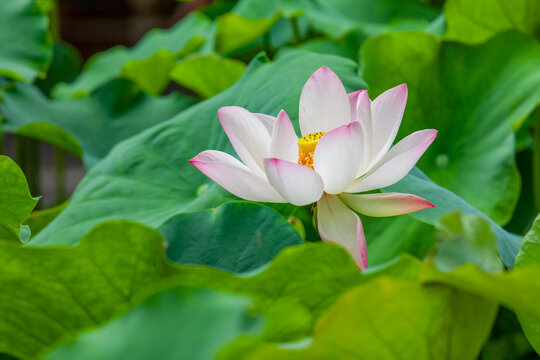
[96, 25]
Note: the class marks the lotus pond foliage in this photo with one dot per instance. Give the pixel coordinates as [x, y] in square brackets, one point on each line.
[244, 170]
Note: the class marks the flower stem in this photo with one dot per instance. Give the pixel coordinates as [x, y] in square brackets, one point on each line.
[54, 24]
[60, 175]
[19, 151]
[536, 160]
[27, 157]
[2, 136]
[32, 170]
[296, 31]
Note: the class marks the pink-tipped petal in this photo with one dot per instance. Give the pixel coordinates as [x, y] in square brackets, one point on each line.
[235, 177]
[396, 163]
[299, 184]
[324, 104]
[248, 135]
[337, 223]
[353, 100]
[337, 157]
[284, 141]
[386, 114]
[267, 120]
[363, 116]
[385, 204]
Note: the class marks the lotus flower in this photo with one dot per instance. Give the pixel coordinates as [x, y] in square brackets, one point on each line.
[345, 149]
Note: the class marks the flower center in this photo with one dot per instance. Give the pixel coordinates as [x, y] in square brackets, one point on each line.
[306, 148]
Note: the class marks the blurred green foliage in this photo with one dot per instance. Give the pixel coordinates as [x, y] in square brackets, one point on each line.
[122, 289]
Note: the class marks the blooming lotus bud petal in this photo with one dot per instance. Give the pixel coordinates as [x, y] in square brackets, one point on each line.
[386, 115]
[337, 157]
[396, 163]
[298, 184]
[235, 177]
[324, 104]
[337, 223]
[385, 204]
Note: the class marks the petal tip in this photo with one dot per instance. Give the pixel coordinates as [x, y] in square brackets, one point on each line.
[222, 114]
[226, 109]
[423, 203]
[282, 114]
[195, 158]
[196, 163]
[223, 109]
[323, 70]
[433, 134]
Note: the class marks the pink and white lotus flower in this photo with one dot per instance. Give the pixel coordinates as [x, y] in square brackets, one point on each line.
[345, 149]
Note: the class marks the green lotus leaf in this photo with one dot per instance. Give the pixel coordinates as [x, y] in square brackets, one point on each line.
[91, 126]
[207, 75]
[17, 202]
[473, 22]
[529, 255]
[175, 324]
[236, 236]
[391, 319]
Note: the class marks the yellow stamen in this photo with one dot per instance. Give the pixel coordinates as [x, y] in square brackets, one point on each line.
[306, 148]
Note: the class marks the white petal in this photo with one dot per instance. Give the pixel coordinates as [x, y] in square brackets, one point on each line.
[284, 141]
[338, 224]
[324, 104]
[363, 116]
[267, 120]
[385, 204]
[248, 135]
[396, 163]
[235, 177]
[353, 99]
[299, 184]
[337, 157]
[387, 111]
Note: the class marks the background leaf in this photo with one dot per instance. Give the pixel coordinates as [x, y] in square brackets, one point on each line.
[184, 38]
[513, 289]
[92, 125]
[65, 66]
[26, 45]
[37, 220]
[175, 324]
[466, 238]
[207, 75]
[389, 237]
[336, 18]
[530, 255]
[235, 31]
[48, 293]
[447, 202]
[477, 21]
